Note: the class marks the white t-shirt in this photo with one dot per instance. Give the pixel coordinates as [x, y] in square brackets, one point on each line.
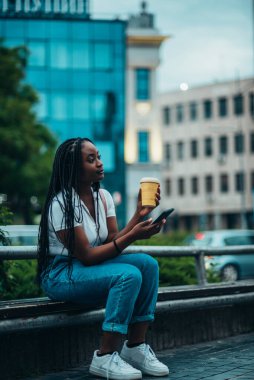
[56, 222]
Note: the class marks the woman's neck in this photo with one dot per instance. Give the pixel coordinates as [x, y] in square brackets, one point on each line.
[86, 195]
[85, 190]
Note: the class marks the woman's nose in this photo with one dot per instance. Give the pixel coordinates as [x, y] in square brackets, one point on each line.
[99, 162]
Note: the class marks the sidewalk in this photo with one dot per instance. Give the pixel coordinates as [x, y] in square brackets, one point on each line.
[226, 359]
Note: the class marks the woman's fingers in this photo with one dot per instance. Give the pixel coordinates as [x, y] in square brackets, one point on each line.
[159, 225]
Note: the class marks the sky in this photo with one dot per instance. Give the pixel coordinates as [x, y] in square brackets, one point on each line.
[209, 40]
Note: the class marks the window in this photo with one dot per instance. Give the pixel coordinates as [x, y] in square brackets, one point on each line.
[168, 186]
[240, 240]
[224, 183]
[59, 54]
[41, 107]
[223, 145]
[180, 150]
[166, 115]
[143, 146]
[107, 151]
[252, 181]
[251, 103]
[60, 106]
[239, 181]
[10, 42]
[194, 185]
[179, 113]
[81, 106]
[37, 56]
[252, 142]
[98, 106]
[181, 186]
[238, 104]
[194, 148]
[167, 152]
[80, 55]
[193, 111]
[208, 184]
[239, 143]
[223, 107]
[142, 84]
[207, 109]
[103, 56]
[208, 147]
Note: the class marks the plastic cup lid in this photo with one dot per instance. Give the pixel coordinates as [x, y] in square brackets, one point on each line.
[149, 179]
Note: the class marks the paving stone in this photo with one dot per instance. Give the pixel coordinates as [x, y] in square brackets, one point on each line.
[227, 359]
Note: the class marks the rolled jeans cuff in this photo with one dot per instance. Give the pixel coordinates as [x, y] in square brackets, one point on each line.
[143, 318]
[115, 327]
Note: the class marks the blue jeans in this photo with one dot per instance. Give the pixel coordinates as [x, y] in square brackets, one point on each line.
[127, 284]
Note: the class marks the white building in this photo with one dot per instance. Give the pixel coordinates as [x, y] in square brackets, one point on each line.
[143, 145]
[208, 155]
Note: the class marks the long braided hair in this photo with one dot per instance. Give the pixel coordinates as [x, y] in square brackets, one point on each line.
[64, 178]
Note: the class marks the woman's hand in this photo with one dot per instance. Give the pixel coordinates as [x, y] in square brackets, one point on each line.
[145, 210]
[146, 229]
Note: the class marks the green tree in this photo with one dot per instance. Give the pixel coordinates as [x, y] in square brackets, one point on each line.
[26, 146]
[177, 270]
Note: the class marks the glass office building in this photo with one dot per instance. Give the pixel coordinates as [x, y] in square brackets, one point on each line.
[77, 66]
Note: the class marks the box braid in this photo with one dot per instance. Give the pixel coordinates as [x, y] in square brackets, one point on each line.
[64, 178]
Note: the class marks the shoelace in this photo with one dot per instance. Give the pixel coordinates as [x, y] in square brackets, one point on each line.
[149, 353]
[115, 358]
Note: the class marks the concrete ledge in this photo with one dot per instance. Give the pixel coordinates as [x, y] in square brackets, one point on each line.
[77, 317]
[36, 344]
[33, 307]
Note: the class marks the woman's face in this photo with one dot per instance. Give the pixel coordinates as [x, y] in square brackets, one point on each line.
[91, 166]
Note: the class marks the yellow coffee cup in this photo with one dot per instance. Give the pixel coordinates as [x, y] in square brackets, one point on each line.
[149, 187]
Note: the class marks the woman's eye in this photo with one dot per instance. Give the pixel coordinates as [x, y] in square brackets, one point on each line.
[99, 156]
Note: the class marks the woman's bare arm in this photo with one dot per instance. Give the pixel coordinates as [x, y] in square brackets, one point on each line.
[140, 213]
[95, 255]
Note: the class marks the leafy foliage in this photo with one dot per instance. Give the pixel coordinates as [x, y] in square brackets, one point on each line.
[173, 271]
[17, 278]
[6, 217]
[26, 146]
[176, 271]
[20, 280]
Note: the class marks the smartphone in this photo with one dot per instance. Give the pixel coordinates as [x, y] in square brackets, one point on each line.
[163, 215]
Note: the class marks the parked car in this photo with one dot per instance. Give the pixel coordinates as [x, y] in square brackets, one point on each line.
[20, 234]
[230, 267]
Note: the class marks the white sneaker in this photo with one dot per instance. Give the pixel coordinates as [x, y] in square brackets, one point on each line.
[143, 358]
[111, 366]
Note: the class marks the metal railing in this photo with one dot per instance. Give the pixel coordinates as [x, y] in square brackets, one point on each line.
[199, 253]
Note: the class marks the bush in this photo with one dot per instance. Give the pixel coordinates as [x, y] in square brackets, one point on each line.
[6, 217]
[173, 271]
[20, 280]
[17, 277]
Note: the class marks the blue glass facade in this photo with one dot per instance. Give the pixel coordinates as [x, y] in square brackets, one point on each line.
[142, 84]
[78, 70]
[143, 146]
